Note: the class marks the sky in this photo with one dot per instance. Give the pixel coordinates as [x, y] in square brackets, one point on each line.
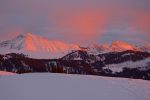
[77, 21]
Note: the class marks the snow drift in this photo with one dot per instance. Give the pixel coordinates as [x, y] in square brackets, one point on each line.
[6, 73]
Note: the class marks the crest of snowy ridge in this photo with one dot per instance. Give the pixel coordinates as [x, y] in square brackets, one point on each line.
[36, 46]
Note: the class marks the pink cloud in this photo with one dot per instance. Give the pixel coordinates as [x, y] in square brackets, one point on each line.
[85, 25]
[74, 21]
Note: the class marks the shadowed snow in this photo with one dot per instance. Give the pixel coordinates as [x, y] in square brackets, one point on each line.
[71, 87]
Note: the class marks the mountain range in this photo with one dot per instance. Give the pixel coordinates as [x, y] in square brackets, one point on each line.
[36, 46]
[32, 53]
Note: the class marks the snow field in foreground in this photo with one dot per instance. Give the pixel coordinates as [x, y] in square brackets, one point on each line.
[48, 86]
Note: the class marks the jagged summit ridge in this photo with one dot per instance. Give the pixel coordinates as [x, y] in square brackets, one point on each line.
[36, 46]
[116, 46]
[38, 43]
[16, 43]
[122, 46]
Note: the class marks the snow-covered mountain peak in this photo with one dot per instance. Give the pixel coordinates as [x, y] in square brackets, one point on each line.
[36, 46]
[118, 43]
[16, 43]
[40, 47]
[21, 36]
[116, 46]
[38, 43]
[121, 46]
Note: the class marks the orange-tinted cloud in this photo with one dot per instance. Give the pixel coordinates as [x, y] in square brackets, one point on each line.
[83, 25]
[140, 25]
[80, 21]
[141, 22]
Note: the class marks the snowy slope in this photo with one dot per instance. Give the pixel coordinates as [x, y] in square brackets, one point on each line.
[141, 65]
[6, 73]
[71, 87]
[14, 45]
[145, 47]
[36, 46]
